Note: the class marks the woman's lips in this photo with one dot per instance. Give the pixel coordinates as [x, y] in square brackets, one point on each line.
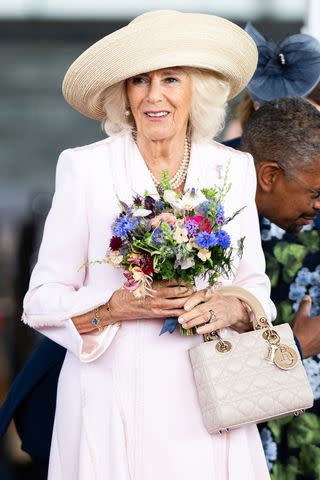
[156, 116]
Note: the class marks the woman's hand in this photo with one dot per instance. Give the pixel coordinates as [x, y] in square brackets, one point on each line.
[228, 311]
[167, 300]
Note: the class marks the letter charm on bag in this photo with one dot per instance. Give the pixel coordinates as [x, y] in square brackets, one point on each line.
[250, 377]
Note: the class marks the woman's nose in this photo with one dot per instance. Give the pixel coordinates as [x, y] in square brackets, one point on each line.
[154, 92]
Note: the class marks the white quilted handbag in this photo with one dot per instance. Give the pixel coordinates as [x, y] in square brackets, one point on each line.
[250, 377]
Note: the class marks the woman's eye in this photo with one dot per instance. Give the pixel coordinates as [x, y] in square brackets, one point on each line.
[171, 80]
[138, 80]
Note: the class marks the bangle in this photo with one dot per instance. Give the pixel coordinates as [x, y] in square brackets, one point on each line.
[108, 310]
[96, 321]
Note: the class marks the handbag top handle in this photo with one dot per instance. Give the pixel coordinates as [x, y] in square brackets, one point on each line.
[260, 319]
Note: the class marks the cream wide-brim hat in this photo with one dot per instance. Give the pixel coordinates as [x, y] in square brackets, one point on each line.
[160, 39]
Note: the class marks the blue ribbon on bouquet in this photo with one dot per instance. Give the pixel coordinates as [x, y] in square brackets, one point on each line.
[169, 325]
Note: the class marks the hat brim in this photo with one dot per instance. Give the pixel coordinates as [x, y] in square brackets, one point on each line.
[158, 40]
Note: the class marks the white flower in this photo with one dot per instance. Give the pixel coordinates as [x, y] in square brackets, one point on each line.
[187, 263]
[189, 200]
[204, 254]
[173, 198]
[141, 212]
[114, 258]
[192, 198]
[180, 235]
[190, 245]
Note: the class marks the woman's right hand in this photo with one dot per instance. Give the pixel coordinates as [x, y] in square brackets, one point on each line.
[167, 300]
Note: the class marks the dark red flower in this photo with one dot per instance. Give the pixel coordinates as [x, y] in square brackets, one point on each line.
[115, 243]
[145, 262]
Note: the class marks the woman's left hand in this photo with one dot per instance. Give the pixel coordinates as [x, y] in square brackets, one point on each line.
[228, 311]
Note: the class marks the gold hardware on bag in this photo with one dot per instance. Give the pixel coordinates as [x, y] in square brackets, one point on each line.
[285, 357]
[208, 337]
[298, 412]
[223, 346]
[279, 354]
[262, 322]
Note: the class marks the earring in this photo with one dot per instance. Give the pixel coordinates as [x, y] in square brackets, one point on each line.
[127, 113]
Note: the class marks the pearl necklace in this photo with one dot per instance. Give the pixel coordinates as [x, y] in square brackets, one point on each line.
[181, 174]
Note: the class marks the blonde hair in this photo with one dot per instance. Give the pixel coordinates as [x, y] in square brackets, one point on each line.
[207, 113]
[244, 109]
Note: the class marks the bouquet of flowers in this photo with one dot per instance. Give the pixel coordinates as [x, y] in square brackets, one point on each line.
[175, 236]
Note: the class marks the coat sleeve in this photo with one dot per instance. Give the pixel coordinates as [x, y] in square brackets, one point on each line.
[57, 288]
[251, 271]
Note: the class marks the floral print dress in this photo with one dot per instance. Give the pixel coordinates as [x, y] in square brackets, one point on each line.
[292, 444]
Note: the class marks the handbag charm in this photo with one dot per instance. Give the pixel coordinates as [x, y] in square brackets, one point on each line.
[281, 355]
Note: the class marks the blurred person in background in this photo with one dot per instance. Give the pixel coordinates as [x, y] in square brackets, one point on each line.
[29, 239]
[284, 138]
[290, 68]
[285, 69]
[104, 391]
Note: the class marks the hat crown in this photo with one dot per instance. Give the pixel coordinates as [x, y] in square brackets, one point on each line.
[154, 14]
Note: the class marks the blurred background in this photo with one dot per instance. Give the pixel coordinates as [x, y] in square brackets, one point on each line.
[39, 39]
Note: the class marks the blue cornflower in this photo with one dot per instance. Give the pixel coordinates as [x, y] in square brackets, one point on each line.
[223, 239]
[220, 219]
[157, 236]
[123, 226]
[206, 206]
[269, 447]
[191, 227]
[303, 277]
[159, 204]
[220, 209]
[206, 240]
[296, 292]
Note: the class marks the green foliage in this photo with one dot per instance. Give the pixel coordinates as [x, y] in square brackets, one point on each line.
[311, 240]
[210, 193]
[310, 460]
[165, 180]
[304, 430]
[286, 472]
[291, 256]
[272, 269]
[284, 312]
[276, 426]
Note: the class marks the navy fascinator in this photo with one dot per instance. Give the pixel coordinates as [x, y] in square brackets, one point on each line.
[285, 69]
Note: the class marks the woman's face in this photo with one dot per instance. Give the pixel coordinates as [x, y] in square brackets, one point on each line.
[160, 102]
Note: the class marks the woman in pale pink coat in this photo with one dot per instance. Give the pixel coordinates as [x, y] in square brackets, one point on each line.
[127, 406]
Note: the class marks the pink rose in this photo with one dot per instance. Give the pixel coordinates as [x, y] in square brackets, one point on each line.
[163, 217]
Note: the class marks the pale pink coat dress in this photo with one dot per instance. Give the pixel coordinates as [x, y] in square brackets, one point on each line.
[127, 406]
